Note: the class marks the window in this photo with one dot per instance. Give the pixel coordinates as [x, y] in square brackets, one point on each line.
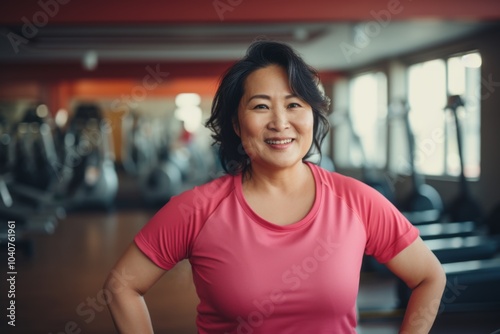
[427, 99]
[436, 146]
[368, 114]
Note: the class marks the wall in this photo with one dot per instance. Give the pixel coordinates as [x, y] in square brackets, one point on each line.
[488, 187]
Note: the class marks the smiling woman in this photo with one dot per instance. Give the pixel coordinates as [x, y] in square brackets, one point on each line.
[276, 245]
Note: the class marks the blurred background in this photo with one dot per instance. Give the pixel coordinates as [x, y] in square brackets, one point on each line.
[102, 106]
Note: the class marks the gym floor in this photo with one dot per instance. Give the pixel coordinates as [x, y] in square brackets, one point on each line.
[59, 289]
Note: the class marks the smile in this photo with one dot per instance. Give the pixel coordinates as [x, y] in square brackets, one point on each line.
[279, 142]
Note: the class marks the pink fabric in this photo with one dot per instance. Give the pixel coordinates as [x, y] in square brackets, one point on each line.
[256, 277]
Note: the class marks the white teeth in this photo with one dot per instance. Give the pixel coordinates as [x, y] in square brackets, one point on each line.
[279, 142]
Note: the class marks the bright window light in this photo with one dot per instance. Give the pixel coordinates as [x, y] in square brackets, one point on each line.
[472, 60]
[188, 110]
[368, 111]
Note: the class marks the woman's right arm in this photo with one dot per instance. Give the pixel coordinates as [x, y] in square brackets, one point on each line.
[132, 276]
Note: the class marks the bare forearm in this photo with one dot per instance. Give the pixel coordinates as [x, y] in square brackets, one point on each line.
[130, 313]
[133, 275]
[423, 306]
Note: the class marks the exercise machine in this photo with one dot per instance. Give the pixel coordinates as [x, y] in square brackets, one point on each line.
[471, 286]
[89, 161]
[464, 207]
[23, 198]
[423, 197]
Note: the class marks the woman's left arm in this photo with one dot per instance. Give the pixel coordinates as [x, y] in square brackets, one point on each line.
[419, 268]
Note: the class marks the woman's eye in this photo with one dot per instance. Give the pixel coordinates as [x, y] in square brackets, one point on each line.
[260, 106]
[294, 105]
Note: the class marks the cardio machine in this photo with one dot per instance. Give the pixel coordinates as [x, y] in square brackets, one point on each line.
[88, 161]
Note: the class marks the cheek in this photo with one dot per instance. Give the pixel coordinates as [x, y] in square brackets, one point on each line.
[306, 124]
[249, 147]
[250, 134]
[252, 127]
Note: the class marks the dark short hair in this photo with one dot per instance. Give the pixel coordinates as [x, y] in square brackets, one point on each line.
[304, 82]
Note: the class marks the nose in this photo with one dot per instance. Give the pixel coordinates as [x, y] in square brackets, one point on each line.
[279, 120]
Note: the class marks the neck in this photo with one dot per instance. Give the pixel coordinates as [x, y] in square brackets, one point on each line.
[280, 179]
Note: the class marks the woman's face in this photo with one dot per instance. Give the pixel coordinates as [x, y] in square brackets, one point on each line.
[275, 126]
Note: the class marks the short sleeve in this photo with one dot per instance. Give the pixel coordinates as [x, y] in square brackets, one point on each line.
[388, 232]
[166, 239]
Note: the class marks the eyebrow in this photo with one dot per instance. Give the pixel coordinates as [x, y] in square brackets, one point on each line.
[267, 97]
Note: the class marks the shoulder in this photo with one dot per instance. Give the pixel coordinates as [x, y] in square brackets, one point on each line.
[204, 198]
[340, 184]
[359, 196]
[190, 209]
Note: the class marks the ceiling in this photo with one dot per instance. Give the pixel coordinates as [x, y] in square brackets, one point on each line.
[326, 46]
[331, 35]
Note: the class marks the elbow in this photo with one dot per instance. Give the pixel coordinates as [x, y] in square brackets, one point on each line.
[118, 285]
[107, 286]
[110, 283]
[435, 281]
[112, 286]
[441, 279]
[438, 275]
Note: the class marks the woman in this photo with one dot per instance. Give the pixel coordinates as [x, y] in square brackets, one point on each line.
[276, 245]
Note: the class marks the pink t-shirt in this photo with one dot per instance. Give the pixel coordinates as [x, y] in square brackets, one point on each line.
[256, 277]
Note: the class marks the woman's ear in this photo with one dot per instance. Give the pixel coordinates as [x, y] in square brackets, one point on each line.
[236, 126]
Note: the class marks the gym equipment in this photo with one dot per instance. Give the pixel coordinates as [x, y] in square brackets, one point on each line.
[452, 249]
[6, 159]
[35, 165]
[493, 221]
[138, 148]
[161, 183]
[147, 157]
[35, 152]
[471, 286]
[469, 255]
[423, 197]
[423, 217]
[171, 161]
[381, 184]
[89, 160]
[457, 249]
[29, 203]
[464, 206]
[448, 230]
